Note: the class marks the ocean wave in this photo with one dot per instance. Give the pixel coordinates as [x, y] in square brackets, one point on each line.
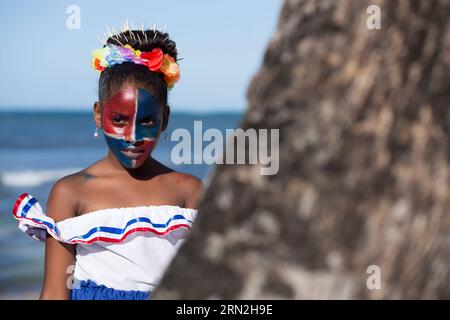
[33, 178]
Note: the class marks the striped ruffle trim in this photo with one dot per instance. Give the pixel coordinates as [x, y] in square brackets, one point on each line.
[108, 228]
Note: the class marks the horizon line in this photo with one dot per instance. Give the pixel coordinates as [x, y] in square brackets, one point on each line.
[82, 111]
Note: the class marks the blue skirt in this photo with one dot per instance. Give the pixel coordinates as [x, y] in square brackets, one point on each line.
[89, 290]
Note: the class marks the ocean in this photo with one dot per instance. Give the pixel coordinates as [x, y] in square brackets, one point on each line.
[38, 148]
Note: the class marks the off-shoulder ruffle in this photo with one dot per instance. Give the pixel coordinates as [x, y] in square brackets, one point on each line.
[108, 225]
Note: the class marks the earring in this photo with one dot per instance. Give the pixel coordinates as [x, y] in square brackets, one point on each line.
[96, 132]
[165, 136]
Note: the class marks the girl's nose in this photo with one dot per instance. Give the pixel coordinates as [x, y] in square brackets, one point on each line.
[137, 143]
[129, 139]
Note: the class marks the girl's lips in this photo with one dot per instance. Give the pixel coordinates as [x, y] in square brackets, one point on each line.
[132, 153]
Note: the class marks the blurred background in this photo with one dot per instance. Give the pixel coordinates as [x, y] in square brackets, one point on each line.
[48, 89]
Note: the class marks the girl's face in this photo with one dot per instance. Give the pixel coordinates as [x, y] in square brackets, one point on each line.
[131, 122]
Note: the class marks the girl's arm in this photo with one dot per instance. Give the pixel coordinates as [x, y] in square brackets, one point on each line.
[59, 256]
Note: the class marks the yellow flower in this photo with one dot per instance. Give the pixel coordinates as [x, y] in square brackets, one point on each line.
[100, 54]
[137, 53]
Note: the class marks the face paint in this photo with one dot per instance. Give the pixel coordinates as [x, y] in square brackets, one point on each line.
[131, 122]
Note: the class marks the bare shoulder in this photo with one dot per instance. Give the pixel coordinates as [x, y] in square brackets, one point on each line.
[189, 185]
[63, 200]
[186, 181]
[65, 197]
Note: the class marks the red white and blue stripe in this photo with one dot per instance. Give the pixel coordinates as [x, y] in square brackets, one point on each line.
[101, 225]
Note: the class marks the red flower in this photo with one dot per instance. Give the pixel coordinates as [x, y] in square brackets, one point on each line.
[152, 59]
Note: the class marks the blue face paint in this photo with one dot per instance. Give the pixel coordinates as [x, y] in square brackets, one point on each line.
[116, 146]
[147, 110]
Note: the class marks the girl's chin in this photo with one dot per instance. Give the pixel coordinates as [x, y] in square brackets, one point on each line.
[136, 163]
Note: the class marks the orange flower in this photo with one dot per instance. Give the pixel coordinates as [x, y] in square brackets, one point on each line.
[96, 65]
[171, 70]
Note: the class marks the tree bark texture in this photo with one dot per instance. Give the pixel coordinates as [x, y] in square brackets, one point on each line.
[364, 174]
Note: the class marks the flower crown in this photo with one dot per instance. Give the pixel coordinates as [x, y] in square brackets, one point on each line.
[154, 60]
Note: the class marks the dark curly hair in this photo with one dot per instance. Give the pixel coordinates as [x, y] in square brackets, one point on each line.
[112, 78]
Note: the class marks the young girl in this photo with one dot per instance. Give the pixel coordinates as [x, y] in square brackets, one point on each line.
[121, 220]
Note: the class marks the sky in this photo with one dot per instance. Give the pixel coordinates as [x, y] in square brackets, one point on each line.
[46, 65]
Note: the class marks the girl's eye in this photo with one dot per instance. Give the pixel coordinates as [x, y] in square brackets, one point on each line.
[148, 122]
[119, 120]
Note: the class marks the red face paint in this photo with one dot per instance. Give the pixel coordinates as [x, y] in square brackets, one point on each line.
[118, 114]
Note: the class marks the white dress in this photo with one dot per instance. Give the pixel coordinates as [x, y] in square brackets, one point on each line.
[121, 253]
